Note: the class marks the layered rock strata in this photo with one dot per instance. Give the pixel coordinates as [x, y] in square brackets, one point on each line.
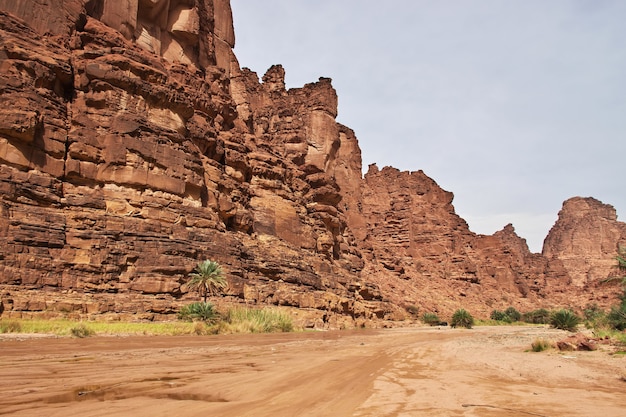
[586, 238]
[132, 146]
[124, 164]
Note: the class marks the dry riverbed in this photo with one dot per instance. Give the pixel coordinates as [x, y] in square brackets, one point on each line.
[486, 371]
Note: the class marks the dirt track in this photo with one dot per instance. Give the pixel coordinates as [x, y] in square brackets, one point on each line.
[486, 371]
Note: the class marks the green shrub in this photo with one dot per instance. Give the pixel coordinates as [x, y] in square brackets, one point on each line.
[509, 315]
[498, 315]
[595, 317]
[617, 317]
[539, 345]
[81, 331]
[513, 314]
[10, 327]
[461, 318]
[198, 311]
[540, 316]
[565, 320]
[592, 312]
[431, 319]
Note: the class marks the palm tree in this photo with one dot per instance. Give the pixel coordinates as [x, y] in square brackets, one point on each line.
[207, 279]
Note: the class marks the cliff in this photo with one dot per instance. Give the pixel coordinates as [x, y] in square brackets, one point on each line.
[133, 145]
[586, 238]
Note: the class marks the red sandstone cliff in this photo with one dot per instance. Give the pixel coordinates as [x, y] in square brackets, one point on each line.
[132, 146]
[429, 257]
[586, 238]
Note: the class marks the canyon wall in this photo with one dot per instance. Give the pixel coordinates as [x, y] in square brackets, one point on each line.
[124, 164]
[133, 146]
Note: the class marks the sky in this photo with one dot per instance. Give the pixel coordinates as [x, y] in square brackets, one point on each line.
[512, 105]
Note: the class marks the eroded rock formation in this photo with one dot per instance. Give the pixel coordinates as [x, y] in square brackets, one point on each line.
[123, 164]
[431, 258]
[132, 146]
[586, 238]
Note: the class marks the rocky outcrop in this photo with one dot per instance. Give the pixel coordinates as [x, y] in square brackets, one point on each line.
[133, 146]
[581, 342]
[430, 258]
[586, 238]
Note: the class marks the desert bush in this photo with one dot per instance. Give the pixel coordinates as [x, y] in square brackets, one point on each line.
[539, 345]
[198, 311]
[412, 310]
[254, 320]
[616, 318]
[200, 328]
[431, 319]
[81, 331]
[462, 318]
[592, 312]
[509, 315]
[498, 315]
[565, 320]
[10, 327]
[539, 316]
[595, 317]
[513, 314]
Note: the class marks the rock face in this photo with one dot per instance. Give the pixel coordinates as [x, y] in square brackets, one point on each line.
[430, 257]
[133, 146]
[586, 238]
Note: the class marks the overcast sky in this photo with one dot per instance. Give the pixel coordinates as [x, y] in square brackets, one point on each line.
[513, 105]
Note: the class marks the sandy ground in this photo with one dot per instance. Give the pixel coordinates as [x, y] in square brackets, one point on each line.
[486, 371]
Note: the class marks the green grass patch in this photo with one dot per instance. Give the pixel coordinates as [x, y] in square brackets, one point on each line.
[236, 320]
[81, 330]
[614, 335]
[255, 320]
[11, 326]
[165, 328]
[620, 337]
[72, 328]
